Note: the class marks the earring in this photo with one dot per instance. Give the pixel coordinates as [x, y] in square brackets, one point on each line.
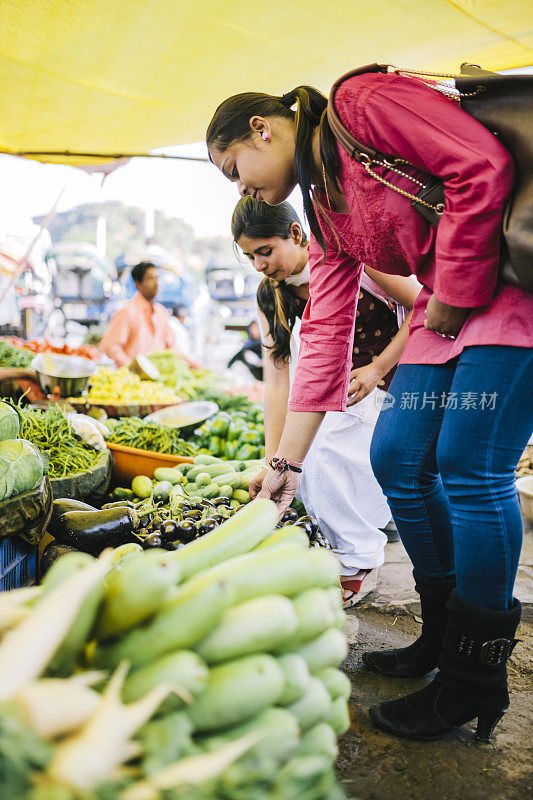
[265, 135]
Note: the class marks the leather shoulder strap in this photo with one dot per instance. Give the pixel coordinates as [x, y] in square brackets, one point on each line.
[353, 147]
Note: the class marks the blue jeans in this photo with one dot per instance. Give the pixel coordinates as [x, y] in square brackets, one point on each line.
[445, 454]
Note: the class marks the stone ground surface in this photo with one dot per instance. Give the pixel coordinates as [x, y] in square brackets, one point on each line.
[375, 766]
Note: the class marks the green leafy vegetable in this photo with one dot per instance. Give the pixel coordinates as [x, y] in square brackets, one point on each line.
[27, 464]
[9, 422]
[7, 477]
[21, 752]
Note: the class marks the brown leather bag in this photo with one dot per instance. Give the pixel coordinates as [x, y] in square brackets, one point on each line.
[504, 105]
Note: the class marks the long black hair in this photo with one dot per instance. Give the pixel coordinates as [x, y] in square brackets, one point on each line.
[258, 220]
[231, 122]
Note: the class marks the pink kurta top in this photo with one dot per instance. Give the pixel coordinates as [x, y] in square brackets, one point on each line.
[458, 262]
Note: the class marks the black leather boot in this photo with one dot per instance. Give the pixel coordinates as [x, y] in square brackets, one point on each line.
[471, 683]
[422, 656]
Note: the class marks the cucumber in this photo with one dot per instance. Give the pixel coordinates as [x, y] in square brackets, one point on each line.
[232, 479]
[279, 730]
[237, 691]
[63, 568]
[213, 470]
[170, 474]
[136, 593]
[187, 616]
[327, 650]
[339, 717]
[185, 468]
[297, 677]
[121, 554]
[241, 496]
[247, 476]
[290, 534]
[286, 569]
[209, 492]
[315, 614]
[313, 706]
[237, 466]
[320, 739]
[161, 491]
[336, 682]
[240, 534]
[205, 459]
[225, 491]
[183, 669]
[261, 625]
[335, 594]
[71, 646]
[202, 479]
[141, 486]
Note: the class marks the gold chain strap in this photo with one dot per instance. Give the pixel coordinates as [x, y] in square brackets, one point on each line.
[452, 95]
[366, 161]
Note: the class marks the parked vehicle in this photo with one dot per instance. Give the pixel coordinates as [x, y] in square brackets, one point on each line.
[82, 282]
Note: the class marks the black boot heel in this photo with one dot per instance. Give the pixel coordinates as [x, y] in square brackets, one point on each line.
[486, 723]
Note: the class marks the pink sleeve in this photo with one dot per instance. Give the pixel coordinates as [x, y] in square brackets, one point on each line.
[401, 116]
[115, 337]
[324, 363]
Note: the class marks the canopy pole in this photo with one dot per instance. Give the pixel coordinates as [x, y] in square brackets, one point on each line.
[21, 264]
[108, 156]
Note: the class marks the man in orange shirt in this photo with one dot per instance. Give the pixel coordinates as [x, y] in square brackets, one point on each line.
[142, 325]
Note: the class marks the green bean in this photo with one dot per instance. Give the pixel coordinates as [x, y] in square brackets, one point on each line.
[133, 432]
[53, 434]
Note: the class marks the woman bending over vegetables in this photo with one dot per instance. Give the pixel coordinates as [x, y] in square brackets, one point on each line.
[445, 451]
[337, 484]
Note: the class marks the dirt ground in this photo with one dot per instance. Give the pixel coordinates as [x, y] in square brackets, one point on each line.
[375, 766]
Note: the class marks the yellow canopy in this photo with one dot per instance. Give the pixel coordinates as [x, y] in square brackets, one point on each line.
[126, 76]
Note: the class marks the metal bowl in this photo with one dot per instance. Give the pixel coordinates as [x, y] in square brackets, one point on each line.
[70, 374]
[186, 416]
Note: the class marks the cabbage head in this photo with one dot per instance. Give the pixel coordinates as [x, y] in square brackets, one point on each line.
[9, 422]
[27, 464]
[7, 478]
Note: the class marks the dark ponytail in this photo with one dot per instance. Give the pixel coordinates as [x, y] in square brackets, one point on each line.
[231, 122]
[258, 220]
[281, 308]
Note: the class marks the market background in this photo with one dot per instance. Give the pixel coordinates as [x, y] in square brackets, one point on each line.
[86, 82]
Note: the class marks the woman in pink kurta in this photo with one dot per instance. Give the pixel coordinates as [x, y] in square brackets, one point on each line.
[459, 411]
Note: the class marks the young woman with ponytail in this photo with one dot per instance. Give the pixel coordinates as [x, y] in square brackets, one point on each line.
[445, 450]
[337, 485]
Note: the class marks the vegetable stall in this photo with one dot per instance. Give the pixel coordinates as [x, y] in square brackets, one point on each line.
[177, 640]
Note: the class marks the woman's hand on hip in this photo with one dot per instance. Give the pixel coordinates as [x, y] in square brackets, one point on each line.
[256, 484]
[363, 380]
[443, 319]
[280, 487]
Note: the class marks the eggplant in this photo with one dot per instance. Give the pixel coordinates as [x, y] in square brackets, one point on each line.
[186, 531]
[168, 530]
[209, 524]
[64, 504]
[92, 531]
[51, 553]
[152, 540]
[118, 504]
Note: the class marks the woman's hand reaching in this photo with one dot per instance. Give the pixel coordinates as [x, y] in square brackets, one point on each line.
[256, 484]
[280, 487]
[362, 381]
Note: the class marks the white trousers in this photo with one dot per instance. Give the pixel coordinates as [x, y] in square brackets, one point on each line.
[338, 487]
